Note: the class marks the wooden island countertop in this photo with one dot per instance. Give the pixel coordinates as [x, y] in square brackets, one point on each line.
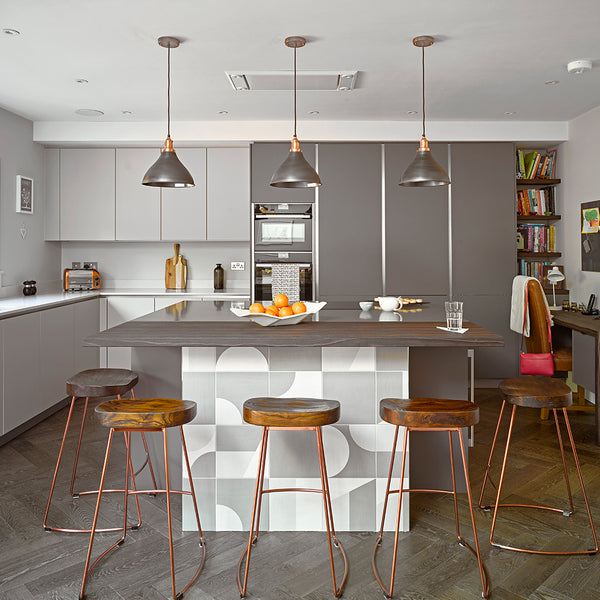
[203, 324]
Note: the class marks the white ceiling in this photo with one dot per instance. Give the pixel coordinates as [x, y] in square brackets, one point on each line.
[490, 57]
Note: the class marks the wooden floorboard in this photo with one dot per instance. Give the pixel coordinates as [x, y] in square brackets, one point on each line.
[39, 565]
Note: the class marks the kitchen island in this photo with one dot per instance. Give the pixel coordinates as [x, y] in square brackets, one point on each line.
[200, 351]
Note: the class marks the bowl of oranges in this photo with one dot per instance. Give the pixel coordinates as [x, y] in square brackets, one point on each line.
[280, 312]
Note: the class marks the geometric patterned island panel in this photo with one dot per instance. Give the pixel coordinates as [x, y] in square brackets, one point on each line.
[223, 449]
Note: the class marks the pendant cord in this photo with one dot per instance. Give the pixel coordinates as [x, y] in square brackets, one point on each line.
[169, 92]
[423, 85]
[295, 92]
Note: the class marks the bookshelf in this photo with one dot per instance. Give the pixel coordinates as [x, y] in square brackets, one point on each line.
[537, 215]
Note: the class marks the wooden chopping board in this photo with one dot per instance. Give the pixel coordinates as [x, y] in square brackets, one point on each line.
[176, 271]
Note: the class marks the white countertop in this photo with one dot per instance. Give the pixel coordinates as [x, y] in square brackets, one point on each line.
[18, 305]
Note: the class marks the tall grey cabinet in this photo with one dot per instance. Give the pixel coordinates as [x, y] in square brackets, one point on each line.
[349, 222]
[484, 247]
[416, 228]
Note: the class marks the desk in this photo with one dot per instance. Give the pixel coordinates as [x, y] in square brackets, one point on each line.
[587, 325]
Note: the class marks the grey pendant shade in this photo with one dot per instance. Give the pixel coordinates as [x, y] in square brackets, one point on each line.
[424, 170]
[168, 171]
[295, 171]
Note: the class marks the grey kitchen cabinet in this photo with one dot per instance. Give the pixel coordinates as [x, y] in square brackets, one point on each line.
[87, 194]
[228, 194]
[349, 222]
[416, 228]
[484, 247]
[22, 393]
[52, 204]
[183, 210]
[2, 377]
[39, 351]
[137, 206]
[266, 159]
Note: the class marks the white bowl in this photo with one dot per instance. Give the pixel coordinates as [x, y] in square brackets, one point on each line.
[269, 320]
[366, 305]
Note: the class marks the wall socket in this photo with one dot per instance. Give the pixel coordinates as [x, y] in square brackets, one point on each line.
[90, 265]
[238, 266]
[76, 265]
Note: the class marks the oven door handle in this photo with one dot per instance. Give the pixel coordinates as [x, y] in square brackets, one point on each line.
[290, 217]
[270, 265]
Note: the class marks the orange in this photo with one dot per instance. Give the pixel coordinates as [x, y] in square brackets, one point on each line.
[257, 307]
[299, 307]
[274, 311]
[280, 300]
[286, 311]
[272, 307]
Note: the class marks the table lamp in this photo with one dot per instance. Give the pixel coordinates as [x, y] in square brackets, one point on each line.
[554, 276]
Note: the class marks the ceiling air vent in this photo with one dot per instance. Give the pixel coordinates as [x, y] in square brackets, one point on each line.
[268, 81]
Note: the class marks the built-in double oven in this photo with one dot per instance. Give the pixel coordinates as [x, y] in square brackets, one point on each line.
[282, 247]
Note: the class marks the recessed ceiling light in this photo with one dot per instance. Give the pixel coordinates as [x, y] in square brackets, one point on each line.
[223, 112]
[412, 112]
[11, 32]
[126, 112]
[313, 112]
[510, 112]
[82, 81]
[89, 112]
[552, 82]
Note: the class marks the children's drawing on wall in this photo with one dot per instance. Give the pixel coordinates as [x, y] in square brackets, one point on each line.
[590, 240]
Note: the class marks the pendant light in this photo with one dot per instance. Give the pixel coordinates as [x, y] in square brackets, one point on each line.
[168, 171]
[424, 170]
[295, 171]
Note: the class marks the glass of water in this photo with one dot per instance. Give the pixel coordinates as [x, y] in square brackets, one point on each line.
[454, 315]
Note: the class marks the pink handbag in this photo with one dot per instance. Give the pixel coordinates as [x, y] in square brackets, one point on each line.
[532, 363]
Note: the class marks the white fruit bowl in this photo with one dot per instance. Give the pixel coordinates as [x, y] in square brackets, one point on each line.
[268, 320]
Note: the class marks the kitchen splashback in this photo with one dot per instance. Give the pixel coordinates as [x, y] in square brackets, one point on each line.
[133, 264]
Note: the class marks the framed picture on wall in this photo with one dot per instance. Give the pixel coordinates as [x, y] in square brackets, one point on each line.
[24, 194]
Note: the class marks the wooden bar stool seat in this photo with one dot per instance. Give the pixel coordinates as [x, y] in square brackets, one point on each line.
[93, 383]
[148, 415]
[428, 414]
[545, 393]
[291, 414]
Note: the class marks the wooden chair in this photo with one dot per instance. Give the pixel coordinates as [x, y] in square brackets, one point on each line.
[538, 342]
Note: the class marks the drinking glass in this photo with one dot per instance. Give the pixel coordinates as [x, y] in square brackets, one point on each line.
[454, 315]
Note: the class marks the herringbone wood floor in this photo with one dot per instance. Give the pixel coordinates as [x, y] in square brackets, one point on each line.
[35, 565]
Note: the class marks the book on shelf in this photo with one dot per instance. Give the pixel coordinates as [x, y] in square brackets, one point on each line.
[536, 238]
[533, 201]
[536, 165]
[539, 270]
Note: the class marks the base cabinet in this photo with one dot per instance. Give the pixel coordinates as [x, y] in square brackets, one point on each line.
[39, 351]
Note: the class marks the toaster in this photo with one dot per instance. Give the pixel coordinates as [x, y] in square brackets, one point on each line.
[75, 280]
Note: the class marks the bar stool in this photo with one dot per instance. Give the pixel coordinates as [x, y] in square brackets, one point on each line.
[93, 383]
[428, 414]
[153, 414]
[535, 392]
[291, 414]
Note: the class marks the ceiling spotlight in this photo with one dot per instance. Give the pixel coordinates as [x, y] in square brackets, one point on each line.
[82, 81]
[223, 112]
[89, 112]
[510, 112]
[313, 112]
[579, 66]
[552, 82]
[11, 32]
[412, 112]
[126, 112]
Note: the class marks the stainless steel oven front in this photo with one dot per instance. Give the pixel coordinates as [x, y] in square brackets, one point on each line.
[283, 228]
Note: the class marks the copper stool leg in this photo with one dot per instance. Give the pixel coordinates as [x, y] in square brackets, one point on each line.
[489, 462]
[565, 512]
[129, 472]
[258, 493]
[388, 593]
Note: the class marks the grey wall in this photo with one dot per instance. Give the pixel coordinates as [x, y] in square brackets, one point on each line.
[142, 264]
[32, 257]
